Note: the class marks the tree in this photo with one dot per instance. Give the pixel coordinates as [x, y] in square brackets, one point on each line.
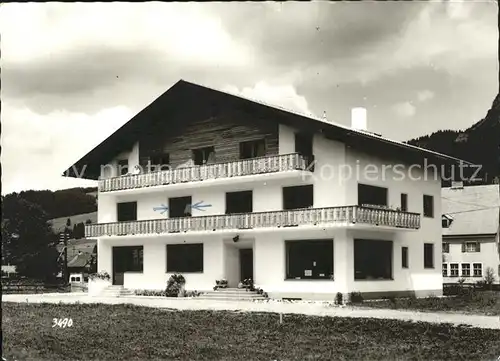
[27, 239]
[489, 276]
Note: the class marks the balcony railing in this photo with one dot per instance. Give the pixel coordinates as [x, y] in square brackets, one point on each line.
[289, 218]
[260, 165]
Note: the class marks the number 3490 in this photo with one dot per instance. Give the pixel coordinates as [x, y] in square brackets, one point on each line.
[62, 322]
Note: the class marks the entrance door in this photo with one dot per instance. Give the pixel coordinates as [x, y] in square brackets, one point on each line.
[119, 265]
[246, 263]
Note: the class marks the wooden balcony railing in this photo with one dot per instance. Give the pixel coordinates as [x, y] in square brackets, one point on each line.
[289, 218]
[260, 165]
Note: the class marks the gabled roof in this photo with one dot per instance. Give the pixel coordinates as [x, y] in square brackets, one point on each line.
[475, 210]
[186, 97]
[80, 260]
[75, 246]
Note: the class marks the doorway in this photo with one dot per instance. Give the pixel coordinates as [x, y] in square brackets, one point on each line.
[246, 263]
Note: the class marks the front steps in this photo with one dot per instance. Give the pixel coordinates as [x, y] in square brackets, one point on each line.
[116, 291]
[231, 294]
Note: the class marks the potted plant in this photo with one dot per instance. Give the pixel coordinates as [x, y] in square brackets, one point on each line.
[98, 282]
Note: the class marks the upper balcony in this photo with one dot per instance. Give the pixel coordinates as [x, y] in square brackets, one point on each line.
[313, 217]
[246, 167]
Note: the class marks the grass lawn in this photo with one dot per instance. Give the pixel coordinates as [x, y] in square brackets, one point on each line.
[124, 332]
[480, 303]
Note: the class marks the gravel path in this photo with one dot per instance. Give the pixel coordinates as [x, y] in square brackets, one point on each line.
[299, 307]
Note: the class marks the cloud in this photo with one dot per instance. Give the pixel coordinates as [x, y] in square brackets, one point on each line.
[405, 109]
[425, 95]
[36, 148]
[277, 95]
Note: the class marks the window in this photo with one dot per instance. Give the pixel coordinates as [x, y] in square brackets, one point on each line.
[159, 162]
[128, 259]
[126, 211]
[465, 269]
[404, 257]
[478, 270]
[471, 247]
[372, 259]
[446, 248]
[304, 144]
[371, 195]
[445, 270]
[428, 255]
[204, 155]
[239, 202]
[123, 166]
[185, 257]
[253, 149]
[179, 207]
[309, 259]
[298, 197]
[404, 202]
[428, 206]
[72, 279]
[453, 269]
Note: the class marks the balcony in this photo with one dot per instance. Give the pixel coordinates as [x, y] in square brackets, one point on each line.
[239, 168]
[311, 217]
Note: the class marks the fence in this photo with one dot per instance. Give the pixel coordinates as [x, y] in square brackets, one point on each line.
[29, 288]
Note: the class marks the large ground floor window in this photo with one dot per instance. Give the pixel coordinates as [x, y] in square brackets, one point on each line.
[128, 259]
[372, 259]
[309, 259]
[185, 258]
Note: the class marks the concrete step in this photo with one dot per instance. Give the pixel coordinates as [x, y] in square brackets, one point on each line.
[116, 291]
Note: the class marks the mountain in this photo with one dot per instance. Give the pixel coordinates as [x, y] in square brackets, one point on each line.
[479, 144]
[61, 203]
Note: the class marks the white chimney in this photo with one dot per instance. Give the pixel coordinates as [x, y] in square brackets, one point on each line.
[358, 119]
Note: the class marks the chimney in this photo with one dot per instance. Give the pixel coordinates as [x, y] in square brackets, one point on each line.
[358, 119]
[457, 185]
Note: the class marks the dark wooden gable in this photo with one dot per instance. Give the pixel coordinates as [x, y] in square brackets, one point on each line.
[223, 129]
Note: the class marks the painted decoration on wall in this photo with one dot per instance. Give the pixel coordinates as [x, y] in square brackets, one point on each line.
[199, 206]
[163, 209]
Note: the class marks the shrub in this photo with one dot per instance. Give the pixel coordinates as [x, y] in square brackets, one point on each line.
[174, 285]
[355, 297]
[339, 299]
[157, 293]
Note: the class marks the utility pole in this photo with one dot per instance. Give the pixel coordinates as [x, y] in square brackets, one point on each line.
[64, 239]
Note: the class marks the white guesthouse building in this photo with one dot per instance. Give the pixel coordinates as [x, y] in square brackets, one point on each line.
[304, 207]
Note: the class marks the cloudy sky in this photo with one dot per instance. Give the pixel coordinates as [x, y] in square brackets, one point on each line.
[74, 73]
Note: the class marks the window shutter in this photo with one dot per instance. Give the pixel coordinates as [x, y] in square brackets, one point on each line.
[463, 247]
[478, 247]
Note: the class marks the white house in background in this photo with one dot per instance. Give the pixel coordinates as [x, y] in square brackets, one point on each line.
[470, 232]
[256, 191]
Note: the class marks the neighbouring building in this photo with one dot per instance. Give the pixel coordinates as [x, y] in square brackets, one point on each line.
[82, 255]
[470, 232]
[303, 206]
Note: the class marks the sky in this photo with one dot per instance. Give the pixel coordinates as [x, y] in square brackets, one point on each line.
[73, 73]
